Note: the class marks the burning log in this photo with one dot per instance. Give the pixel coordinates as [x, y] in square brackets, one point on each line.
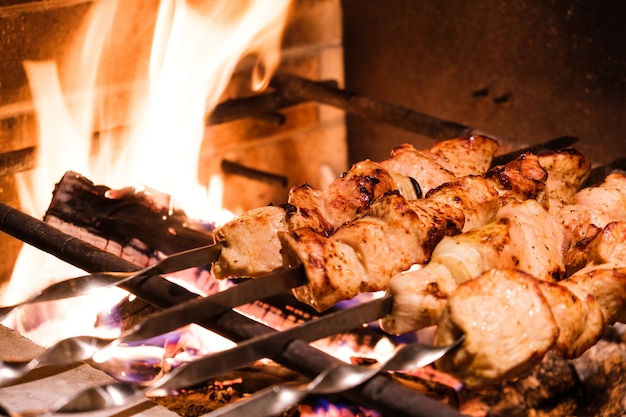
[380, 393]
[123, 221]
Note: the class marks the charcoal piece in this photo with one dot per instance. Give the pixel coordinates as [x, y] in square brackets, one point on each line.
[227, 388]
[592, 385]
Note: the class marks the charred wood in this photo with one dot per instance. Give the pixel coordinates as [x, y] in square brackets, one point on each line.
[129, 218]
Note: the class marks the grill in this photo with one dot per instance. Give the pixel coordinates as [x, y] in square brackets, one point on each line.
[384, 108]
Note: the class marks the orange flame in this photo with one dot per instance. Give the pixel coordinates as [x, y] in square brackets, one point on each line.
[195, 48]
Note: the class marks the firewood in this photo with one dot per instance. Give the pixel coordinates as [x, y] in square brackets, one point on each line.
[129, 223]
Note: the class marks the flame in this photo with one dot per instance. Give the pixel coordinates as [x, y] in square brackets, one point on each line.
[196, 46]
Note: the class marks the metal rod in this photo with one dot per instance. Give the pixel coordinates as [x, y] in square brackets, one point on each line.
[254, 106]
[551, 145]
[17, 161]
[235, 168]
[380, 393]
[258, 106]
[297, 88]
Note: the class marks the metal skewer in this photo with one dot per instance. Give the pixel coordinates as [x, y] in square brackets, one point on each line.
[336, 378]
[88, 284]
[269, 402]
[81, 348]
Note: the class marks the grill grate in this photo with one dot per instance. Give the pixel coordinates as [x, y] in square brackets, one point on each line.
[380, 393]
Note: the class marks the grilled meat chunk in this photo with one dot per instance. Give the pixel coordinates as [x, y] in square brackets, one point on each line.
[508, 327]
[419, 165]
[523, 236]
[346, 198]
[476, 196]
[362, 255]
[567, 171]
[480, 197]
[250, 243]
[579, 225]
[444, 162]
[607, 284]
[522, 176]
[578, 316]
[609, 246]
[419, 298]
[471, 155]
[591, 210]
[608, 198]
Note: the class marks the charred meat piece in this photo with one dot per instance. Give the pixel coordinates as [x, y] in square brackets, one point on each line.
[476, 196]
[480, 197]
[365, 253]
[524, 236]
[444, 162]
[522, 176]
[591, 210]
[346, 198]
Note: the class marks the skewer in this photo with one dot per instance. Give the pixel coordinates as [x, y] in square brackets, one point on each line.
[551, 145]
[597, 174]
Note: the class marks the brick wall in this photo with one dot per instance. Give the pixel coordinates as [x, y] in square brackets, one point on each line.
[312, 139]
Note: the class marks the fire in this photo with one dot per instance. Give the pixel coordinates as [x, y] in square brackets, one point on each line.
[196, 47]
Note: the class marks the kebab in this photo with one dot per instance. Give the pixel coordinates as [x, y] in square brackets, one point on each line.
[567, 317]
[364, 254]
[511, 319]
[250, 243]
[523, 237]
